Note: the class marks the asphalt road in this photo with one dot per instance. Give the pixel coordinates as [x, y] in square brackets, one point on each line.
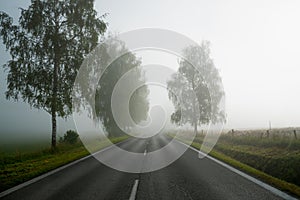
[187, 178]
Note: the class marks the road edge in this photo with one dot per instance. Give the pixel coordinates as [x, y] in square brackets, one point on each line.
[246, 176]
[40, 177]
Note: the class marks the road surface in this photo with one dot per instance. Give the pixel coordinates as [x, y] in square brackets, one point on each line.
[187, 178]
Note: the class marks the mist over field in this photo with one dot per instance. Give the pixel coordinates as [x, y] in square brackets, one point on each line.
[253, 44]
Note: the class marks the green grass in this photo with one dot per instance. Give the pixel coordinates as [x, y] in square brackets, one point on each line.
[278, 157]
[16, 168]
[278, 183]
[274, 141]
[274, 160]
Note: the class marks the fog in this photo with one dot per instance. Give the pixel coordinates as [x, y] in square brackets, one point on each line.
[255, 45]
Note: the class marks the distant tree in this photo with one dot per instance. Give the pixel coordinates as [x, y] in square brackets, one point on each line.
[138, 104]
[47, 48]
[70, 137]
[198, 83]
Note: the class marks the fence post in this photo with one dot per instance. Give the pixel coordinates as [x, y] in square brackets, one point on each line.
[295, 134]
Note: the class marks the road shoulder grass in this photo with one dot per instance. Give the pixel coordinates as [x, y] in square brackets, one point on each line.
[275, 182]
[18, 168]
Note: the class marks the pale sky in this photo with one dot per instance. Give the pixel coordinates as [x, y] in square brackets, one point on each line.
[255, 45]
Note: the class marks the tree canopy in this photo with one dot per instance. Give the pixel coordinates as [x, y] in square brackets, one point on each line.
[47, 48]
[198, 83]
[138, 103]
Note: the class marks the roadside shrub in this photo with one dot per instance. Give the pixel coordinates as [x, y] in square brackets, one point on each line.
[70, 137]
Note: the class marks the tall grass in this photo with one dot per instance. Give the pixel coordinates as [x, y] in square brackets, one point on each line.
[284, 142]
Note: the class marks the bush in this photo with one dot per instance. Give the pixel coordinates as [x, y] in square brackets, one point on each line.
[70, 137]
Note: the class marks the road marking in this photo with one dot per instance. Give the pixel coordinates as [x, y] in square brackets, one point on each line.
[134, 190]
[145, 152]
[13, 189]
[250, 178]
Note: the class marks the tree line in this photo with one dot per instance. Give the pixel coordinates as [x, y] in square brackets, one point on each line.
[52, 39]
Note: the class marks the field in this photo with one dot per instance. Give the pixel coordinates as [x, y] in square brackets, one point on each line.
[277, 156]
[18, 167]
[270, 155]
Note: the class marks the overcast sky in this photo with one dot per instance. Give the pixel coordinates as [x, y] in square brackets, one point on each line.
[255, 45]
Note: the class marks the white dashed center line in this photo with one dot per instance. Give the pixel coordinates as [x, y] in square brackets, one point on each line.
[134, 190]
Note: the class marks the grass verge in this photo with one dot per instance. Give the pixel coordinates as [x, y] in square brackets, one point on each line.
[277, 183]
[18, 168]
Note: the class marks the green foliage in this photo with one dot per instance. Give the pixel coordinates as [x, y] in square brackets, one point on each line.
[138, 103]
[70, 137]
[49, 33]
[47, 48]
[199, 85]
[98, 76]
[277, 156]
